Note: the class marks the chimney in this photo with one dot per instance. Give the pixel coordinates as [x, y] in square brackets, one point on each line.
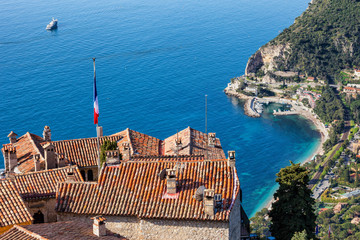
[12, 137]
[37, 162]
[211, 139]
[47, 133]
[209, 203]
[231, 158]
[112, 157]
[218, 201]
[99, 131]
[178, 145]
[99, 228]
[171, 181]
[10, 175]
[6, 158]
[50, 156]
[178, 142]
[61, 160]
[126, 155]
[12, 158]
[70, 177]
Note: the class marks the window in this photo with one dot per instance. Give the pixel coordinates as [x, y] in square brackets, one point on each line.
[90, 175]
[38, 217]
[82, 172]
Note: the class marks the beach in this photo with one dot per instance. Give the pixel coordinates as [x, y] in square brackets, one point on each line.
[299, 109]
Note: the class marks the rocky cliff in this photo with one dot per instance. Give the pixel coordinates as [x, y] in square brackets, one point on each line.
[322, 41]
[266, 58]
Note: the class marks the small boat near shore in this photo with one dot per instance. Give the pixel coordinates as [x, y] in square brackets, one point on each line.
[52, 25]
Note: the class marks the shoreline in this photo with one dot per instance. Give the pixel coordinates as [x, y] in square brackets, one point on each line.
[300, 110]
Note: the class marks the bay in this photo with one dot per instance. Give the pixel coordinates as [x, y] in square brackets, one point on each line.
[156, 60]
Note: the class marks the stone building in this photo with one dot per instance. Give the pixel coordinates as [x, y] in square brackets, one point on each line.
[59, 231]
[165, 197]
[31, 152]
[36, 191]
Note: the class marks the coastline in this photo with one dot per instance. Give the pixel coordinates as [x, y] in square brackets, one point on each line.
[300, 110]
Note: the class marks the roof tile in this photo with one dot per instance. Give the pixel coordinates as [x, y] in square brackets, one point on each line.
[134, 188]
[12, 207]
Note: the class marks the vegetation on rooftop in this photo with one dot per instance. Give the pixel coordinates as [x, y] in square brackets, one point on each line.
[107, 145]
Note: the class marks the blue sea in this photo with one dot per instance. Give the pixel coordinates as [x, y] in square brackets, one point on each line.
[155, 62]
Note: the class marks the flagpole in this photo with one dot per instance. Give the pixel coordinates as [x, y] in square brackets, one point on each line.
[97, 125]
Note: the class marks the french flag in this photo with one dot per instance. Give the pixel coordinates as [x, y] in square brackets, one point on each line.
[96, 103]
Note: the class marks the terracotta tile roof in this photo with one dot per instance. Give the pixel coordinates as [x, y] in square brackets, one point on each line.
[26, 146]
[134, 188]
[194, 142]
[20, 233]
[83, 152]
[180, 158]
[43, 183]
[12, 207]
[143, 144]
[352, 88]
[55, 231]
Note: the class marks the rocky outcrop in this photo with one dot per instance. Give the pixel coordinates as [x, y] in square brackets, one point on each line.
[254, 63]
[266, 58]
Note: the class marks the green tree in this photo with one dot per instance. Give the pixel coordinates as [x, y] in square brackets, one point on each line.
[293, 209]
[260, 223]
[300, 236]
[107, 145]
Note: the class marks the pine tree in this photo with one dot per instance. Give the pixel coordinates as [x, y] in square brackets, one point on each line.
[293, 209]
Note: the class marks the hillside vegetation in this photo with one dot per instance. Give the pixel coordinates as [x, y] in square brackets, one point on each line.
[321, 42]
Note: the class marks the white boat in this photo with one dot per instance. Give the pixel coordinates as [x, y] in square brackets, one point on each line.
[52, 25]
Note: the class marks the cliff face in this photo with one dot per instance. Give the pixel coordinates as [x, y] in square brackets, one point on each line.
[266, 58]
[322, 41]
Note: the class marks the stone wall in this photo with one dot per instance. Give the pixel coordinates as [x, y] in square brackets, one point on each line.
[84, 171]
[46, 206]
[134, 228]
[235, 220]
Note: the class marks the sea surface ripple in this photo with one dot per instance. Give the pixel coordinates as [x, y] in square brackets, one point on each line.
[155, 62]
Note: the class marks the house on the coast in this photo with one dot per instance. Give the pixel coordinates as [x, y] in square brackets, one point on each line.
[351, 90]
[357, 72]
[311, 79]
[164, 197]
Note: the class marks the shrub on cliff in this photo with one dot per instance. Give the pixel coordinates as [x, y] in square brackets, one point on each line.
[323, 40]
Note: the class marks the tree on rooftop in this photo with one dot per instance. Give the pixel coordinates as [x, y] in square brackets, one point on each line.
[293, 209]
[107, 145]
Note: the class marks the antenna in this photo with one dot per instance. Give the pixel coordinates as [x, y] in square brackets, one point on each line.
[206, 140]
[206, 113]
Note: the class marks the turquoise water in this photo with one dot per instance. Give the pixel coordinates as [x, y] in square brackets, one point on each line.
[155, 62]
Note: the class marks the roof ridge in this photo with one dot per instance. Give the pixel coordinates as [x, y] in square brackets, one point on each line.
[48, 170]
[129, 139]
[34, 144]
[79, 182]
[77, 139]
[33, 234]
[143, 133]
